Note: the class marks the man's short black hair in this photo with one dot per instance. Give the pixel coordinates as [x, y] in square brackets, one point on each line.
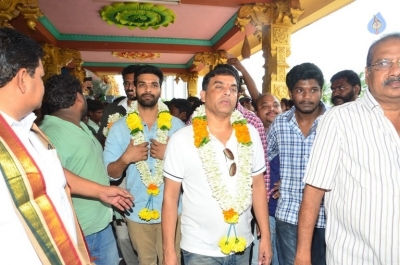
[193, 99]
[182, 105]
[149, 69]
[60, 92]
[351, 77]
[94, 105]
[304, 71]
[221, 69]
[17, 51]
[130, 69]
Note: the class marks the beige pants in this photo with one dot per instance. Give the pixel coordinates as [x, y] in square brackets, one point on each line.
[147, 241]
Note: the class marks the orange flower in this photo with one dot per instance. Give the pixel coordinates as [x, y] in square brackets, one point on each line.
[231, 216]
[200, 131]
[152, 189]
[242, 133]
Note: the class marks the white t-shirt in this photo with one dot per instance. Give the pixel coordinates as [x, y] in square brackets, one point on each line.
[203, 224]
[15, 247]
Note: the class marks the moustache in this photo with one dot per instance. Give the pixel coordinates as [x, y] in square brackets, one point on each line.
[306, 102]
[391, 79]
[272, 112]
[337, 97]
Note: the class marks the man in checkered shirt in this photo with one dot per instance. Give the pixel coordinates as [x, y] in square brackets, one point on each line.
[291, 136]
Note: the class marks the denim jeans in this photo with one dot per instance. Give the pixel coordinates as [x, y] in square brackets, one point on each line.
[286, 235]
[102, 247]
[234, 259]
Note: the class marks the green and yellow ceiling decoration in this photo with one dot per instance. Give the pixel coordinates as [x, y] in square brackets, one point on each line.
[137, 15]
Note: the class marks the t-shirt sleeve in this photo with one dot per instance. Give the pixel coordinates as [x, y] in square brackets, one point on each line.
[173, 169]
[325, 154]
[258, 153]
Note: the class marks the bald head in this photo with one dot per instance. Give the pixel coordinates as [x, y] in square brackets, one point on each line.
[268, 106]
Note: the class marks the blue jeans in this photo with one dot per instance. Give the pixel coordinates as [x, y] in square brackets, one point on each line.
[102, 247]
[286, 235]
[234, 259]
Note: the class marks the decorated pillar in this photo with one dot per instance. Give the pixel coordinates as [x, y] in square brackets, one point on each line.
[210, 59]
[55, 58]
[272, 22]
[191, 80]
[10, 9]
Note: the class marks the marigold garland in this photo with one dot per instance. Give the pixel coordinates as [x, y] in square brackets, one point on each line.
[110, 121]
[232, 207]
[152, 182]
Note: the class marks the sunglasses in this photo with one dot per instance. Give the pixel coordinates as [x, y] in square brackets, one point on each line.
[229, 155]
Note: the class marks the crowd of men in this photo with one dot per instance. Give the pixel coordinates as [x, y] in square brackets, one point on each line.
[233, 179]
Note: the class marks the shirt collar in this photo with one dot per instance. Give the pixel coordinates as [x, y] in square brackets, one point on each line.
[124, 103]
[290, 113]
[23, 125]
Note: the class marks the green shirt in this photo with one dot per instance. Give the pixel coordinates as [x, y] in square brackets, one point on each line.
[81, 153]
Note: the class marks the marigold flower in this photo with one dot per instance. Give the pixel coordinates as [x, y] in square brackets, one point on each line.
[164, 121]
[133, 121]
[231, 216]
[242, 133]
[200, 131]
[152, 189]
[225, 245]
[240, 244]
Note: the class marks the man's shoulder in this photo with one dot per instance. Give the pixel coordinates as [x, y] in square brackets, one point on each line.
[177, 124]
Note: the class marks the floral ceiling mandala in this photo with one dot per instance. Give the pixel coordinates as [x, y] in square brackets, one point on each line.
[137, 15]
[136, 55]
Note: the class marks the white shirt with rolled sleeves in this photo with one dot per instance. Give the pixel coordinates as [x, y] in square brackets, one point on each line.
[356, 157]
[203, 223]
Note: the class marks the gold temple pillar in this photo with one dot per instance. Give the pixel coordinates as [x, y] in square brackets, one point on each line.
[273, 22]
[55, 58]
[191, 80]
[10, 9]
[110, 80]
[210, 59]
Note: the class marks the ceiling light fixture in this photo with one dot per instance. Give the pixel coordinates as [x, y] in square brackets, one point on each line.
[162, 2]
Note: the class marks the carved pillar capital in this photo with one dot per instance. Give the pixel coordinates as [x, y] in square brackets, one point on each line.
[191, 80]
[210, 59]
[55, 58]
[10, 9]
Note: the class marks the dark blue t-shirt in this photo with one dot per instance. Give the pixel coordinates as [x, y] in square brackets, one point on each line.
[274, 177]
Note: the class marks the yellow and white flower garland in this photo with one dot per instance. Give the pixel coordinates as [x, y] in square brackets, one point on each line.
[232, 206]
[152, 182]
[110, 121]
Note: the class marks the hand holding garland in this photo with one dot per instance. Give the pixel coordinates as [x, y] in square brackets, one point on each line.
[157, 149]
[132, 154]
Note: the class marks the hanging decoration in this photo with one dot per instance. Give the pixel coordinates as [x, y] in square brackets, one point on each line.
[246, 50]
[137, 15]
[136, 55]
[377, 24]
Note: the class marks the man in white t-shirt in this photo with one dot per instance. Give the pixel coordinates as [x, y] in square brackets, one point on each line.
[219, 163]
[37, 222]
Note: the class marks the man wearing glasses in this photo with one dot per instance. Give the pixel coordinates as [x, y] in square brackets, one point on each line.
[360, 176]
[218, 161]
[346, 86]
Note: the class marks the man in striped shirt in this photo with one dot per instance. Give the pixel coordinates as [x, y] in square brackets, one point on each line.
[291, 136]
[361, 176]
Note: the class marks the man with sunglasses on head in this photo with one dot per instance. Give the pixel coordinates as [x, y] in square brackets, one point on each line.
[219, 163]
[360, 177]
